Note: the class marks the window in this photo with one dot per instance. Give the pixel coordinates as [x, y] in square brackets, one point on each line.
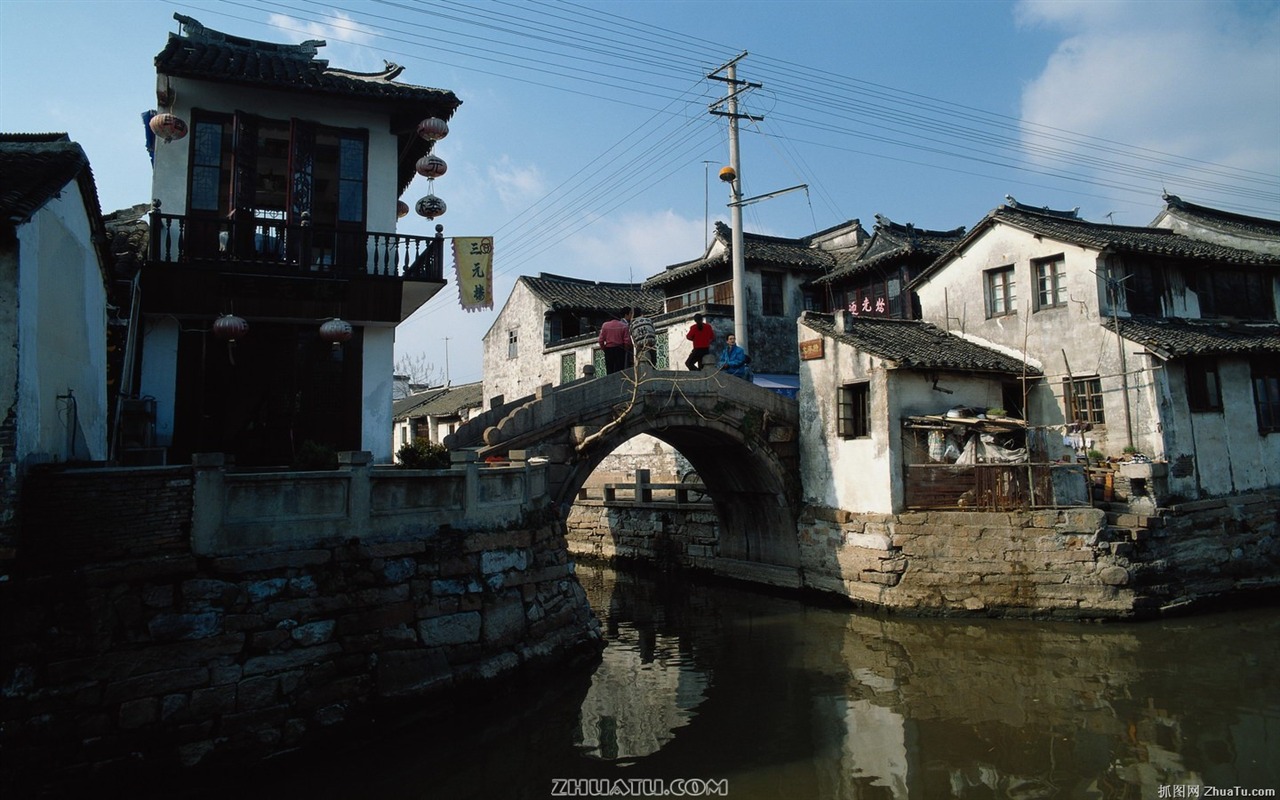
[568, 367]
[597, 361]
[771, 294]
[210, 161]
[1051, 282]
[1083, 398]
[1266, 394]
[1001, 294]
[1203, 390]
[854, 421]
[664, 351]
[513, 344]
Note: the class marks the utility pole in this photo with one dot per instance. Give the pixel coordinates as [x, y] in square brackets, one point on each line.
[446, 362]
[739, 269]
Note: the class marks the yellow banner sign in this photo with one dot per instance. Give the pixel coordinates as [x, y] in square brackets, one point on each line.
[473, 265]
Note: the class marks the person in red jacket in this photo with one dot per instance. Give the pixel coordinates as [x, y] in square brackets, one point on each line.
[702, 335]
[615, 341]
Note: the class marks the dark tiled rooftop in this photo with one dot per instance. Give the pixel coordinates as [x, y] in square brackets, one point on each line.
[1256, 226]
[1065, 227]
[36, 167]
[207, 54]
[442, 402]
[891, 241]
[758, 249]
[917, 345]
[1173, 338]
[574, 294]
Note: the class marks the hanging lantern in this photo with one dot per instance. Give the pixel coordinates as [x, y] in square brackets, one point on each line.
[336, 331]
[433, 129]
[431, 207]
[402, 209]
[168, 127]
[229, 327]
[431, 166]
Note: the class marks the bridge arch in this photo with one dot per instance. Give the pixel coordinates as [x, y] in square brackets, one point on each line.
[741, 439]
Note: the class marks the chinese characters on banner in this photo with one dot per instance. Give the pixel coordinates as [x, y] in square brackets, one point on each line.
[473, 265]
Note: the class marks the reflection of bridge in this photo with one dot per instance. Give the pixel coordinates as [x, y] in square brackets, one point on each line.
[741, 439]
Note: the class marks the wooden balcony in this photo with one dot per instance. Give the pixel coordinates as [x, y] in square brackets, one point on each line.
[262, 241]
[261, 265]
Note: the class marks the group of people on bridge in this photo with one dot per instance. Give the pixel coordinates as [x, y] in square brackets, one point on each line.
[631, 338]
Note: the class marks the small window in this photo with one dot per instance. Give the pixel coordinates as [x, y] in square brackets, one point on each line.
[568, 367]
[1266, 394]
[1051, 282]
[1083, 400]
[1203, 390]
[1001, 292]
[597, 361]
[771, 304]
[513, 344]
[854, 420]
[664, 352]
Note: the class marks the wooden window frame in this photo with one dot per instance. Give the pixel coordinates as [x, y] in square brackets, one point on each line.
[853, 411]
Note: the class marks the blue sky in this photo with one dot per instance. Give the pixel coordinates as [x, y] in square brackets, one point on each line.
[584, 143]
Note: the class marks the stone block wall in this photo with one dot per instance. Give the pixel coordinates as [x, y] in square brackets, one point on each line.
[172, 662]
[1074, 563]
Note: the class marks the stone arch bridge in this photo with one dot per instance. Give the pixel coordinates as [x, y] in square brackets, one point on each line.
[742, 440]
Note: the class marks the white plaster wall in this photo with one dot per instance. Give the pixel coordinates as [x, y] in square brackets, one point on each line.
[169, 178]
[376, 422]
[516, 377]
[160, 372]
[62, 327]
[852, 474]
[1064, 340]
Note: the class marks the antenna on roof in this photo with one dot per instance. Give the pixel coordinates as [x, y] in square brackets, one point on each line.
[1109, 215]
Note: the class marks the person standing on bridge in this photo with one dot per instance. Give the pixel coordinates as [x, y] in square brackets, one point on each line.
[702, 335]
[645, 337]
[734, 360]
[615, 341]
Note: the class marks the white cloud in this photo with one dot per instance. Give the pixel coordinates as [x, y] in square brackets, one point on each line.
[632, 247]
[342, 29]
[1196, 79]
[517, 186]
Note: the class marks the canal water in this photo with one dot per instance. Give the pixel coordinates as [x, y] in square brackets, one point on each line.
[718, 691]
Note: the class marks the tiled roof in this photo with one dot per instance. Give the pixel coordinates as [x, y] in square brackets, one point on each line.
[447, 402]
[207, 54]
[574, 294]
[916, 345]
[1110, 238]
[35, 168]
[890, 242]
[1254, 226]
[1173, 337]
[757, 249]
[400, 408]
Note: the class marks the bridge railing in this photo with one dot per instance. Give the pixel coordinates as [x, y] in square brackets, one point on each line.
[236, 512]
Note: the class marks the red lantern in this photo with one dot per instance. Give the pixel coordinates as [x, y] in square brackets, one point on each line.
[402, 209]
[168, 127]
[431, 166]
[336, 331]
[229, 327]
[431, 207]
[433, 129]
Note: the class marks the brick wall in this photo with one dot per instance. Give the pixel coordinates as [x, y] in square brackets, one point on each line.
[73, 517]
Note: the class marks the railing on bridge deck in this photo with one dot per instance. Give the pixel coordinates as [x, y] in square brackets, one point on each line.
[644, 492]
[265, 241]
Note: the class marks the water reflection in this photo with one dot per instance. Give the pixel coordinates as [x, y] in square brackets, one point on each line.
[785, 700]
[813, 702]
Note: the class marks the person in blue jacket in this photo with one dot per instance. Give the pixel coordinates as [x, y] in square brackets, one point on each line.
[734, 360]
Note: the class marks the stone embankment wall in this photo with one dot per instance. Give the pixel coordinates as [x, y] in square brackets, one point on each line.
[1072, 563]
[180, 659]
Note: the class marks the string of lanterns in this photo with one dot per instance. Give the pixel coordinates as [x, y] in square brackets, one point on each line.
[229, 328]
[431, 166]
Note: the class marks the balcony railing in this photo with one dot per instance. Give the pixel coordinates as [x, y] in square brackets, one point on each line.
[261, 240]
[719, 294]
